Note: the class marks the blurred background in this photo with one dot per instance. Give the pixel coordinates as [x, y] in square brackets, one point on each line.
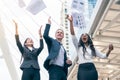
[99, 18]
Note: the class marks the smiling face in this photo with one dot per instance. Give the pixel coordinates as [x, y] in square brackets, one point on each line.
[84, 38]
[28, 42]
[59, 34]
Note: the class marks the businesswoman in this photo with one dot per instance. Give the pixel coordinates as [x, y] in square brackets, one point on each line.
[85, 53]
[30, 65]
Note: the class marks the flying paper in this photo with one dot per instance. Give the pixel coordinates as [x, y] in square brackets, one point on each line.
[21, 3]
[35, 6]
[78, 5]
[78, 20]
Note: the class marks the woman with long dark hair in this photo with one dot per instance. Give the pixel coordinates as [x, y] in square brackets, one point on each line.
[30, 65]
[85, 53]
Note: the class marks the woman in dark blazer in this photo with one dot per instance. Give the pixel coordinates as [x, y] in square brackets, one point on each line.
[30, 65]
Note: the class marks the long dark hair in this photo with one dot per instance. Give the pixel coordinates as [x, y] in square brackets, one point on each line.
[26, 47]
[90, 43]
[26, 41]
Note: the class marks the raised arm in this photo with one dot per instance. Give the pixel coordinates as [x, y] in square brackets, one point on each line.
[102, 55]
[46, 34]
[47, 28]
[16, 27]
[40, 34]
[17, 37]
[41, 42]
[74, 39]
[70, 18]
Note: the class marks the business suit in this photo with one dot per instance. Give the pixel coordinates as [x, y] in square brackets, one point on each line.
[53, 49]
[30, 64]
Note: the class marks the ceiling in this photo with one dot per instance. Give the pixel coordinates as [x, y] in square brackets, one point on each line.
[105, 29]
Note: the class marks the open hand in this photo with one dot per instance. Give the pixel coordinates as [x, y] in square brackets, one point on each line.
[16, 27]
[70, 18]
[49, 20]
[15, 23]
[68, 61]
[111, 47]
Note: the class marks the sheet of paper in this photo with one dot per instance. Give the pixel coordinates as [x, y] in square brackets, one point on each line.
[78, 20]
[21, 3]
[35, 6]
[78, 5]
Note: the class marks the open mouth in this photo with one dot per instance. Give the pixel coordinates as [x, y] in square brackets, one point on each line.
[84, 39]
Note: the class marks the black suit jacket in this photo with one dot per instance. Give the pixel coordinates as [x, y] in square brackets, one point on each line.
[30, 57]
[53, 49]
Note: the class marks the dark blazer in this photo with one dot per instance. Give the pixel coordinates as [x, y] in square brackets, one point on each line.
[30, 57]
[53, 49]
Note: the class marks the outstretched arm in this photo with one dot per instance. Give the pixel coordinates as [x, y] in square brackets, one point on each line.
[16, 27]
[41, 42]
[74, 39]
[46, 36]
[47, 28]
[101, 55]
[70, 18]
[17, 38]
[40, 34]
